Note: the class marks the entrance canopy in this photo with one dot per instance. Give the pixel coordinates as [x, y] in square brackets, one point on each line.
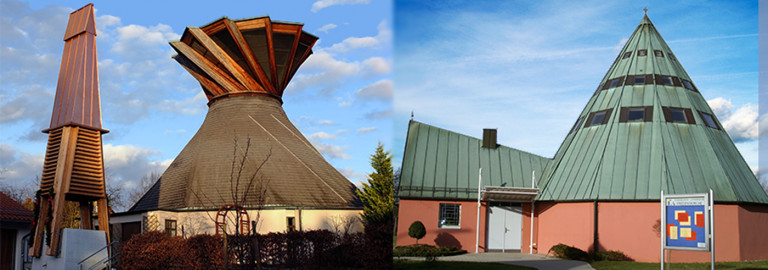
[509, 194]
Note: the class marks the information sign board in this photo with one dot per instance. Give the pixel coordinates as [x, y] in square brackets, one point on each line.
[686, 222]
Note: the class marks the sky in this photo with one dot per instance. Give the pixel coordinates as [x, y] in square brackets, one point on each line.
[340, 99]
[528, 68]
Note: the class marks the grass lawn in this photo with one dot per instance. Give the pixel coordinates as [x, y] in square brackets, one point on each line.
[607, 265]
[406, 264]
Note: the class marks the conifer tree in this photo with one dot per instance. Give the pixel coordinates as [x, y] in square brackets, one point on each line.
[377, 194]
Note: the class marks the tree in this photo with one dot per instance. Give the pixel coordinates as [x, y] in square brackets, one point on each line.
[146, 182]
[417, 230]
[377, 194]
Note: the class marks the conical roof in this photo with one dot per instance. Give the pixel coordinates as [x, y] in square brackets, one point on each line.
[646, 129]
[243, 67]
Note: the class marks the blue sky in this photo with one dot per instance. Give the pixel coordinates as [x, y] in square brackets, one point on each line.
[528, 68]
[341, 98]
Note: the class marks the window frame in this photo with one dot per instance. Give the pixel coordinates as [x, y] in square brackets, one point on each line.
[642, 52]
[686, 112]
[658, 53]
[626, 55]
[647, 114]
[172, 232]
[443, 208]
[705, 119]
[290, 224]
[592, 115]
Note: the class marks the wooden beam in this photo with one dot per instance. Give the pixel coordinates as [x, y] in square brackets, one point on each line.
[214, 88]
[234, 69]
[37, 239]
[103, 214]
[228, 84]
[287, 71]
[61, 184]
[245, 49]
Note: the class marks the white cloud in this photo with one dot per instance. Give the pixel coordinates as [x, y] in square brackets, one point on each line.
[357, 178]
[384, 114]
[133, 39]
[740, 124]
[332, 151]
[366, 130]
[326, 136]
[317, 6]
[128, 163]
[326, 27]
[380, 90]
[377, 65]
[383, 38]
[325, 122]
[190, 106]
[17, 167]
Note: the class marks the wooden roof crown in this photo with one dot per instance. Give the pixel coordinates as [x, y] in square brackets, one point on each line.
[248, 56]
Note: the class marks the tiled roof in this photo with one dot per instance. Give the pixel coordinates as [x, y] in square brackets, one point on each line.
[11, 210]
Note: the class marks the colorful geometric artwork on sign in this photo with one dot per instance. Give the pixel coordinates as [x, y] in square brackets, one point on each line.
[686, 226]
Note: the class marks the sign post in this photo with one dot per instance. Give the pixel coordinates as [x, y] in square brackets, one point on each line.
[687, 223]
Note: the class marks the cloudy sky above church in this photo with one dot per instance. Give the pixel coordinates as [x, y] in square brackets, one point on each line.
[529, 68]
[340, 99]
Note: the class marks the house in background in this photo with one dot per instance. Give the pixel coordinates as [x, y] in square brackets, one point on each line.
[247, 158]
[646, 129]
[15, 221]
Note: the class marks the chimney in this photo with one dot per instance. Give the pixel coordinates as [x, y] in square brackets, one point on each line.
[489, 138]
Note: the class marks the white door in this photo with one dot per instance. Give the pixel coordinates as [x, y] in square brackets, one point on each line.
[505, 227]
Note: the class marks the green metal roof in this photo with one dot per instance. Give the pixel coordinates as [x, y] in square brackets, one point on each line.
[614, 160]
[440, 164]
[621, 160]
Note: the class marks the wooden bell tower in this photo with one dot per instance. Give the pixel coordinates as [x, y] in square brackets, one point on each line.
[74, 163]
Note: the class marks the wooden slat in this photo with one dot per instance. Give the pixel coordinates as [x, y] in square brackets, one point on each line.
[245, 49]
[234, 69]
[200, 75]
[209, 68]
[289, 61]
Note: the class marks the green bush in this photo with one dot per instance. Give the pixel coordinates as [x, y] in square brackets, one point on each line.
[568, 252]
[422, 250]
[610, 255]
[417, 230]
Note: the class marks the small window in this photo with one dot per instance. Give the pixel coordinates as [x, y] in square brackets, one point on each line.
[688, 84]
[627, 55]
[290, 223]
[642, 52]
[577, 124]
[598, 118]
[658, 53]
[671, 56]
[614, 83]
[449, 216]
[635, 114]
[709, 120]
[170, 227]
[678, 115]
[667, 80]
[639, 79]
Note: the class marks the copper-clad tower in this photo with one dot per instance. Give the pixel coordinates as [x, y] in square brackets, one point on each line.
[243, 67]
[74, 164]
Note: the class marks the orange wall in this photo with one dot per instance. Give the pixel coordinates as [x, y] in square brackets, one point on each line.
[629, 227]
[428, 213]
[753, 223]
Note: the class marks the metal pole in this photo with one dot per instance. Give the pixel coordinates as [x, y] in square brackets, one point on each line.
[712, 226]
[533, 209]
[477, 229]
[663, 227]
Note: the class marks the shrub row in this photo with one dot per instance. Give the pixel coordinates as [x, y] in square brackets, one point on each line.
[320, 249]
[424, 250]
[572, 253]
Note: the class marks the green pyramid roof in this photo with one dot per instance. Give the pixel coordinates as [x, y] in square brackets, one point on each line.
[617, 158]
[441, 164]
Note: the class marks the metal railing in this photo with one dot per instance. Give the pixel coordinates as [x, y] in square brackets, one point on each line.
[104, 261]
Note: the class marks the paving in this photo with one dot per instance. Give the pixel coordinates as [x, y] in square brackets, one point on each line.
[531, 260]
